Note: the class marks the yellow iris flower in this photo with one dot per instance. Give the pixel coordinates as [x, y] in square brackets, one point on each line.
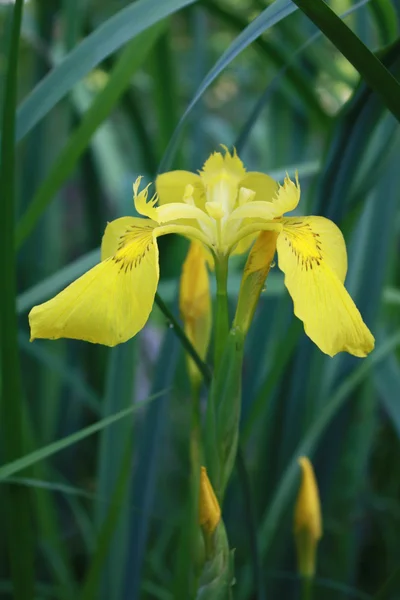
[223, 207]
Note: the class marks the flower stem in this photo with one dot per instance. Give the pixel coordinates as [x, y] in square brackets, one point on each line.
[307, 587]
[186, 343]
[221, 309]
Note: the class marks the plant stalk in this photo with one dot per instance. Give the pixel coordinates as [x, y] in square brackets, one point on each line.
[17, 504]
[221, 309]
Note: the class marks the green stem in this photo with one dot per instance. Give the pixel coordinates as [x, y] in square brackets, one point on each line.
[17, 505]
[186, 343]
[307, 587]
[221, 309]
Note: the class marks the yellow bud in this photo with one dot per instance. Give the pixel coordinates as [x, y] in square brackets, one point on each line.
[209, 510]
[255, 272]
[195, 303]
[307, 519]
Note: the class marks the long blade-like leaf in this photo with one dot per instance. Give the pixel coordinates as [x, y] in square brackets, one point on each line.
[130, 60]
[17, 505]
[105, 40]
[33, 457]
[269, 17]
[356, 52]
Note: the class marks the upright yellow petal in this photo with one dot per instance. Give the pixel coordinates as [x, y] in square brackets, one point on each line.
[209, 510]
[312, 254]
[110, 303]
[285, 199]
[195, 303]
[227, 166]
[171, 187]
[307, 519]
[263, 185]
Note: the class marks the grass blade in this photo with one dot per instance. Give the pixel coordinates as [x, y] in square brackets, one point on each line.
[286, 486]
[37, 455]
[91, 585]
[18, 501]
[105, 40]
[130, 60]
[269, 17]
[149, 461]
[273, 85]
[366, 63]
[301, 88]
[119, 395]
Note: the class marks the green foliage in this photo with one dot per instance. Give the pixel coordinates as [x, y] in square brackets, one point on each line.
[96, 450]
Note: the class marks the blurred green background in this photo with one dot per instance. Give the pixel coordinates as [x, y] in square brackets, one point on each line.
[109, 504]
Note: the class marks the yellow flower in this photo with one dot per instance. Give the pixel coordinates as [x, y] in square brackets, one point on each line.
[307, 519]
[223, 207]
[209, 510]
[195, 304]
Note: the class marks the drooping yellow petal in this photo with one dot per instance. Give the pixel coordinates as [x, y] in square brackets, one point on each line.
[115, 231]
[312, 254]
[307, 519]
[171, 187]
[195, 303]
[112, 302]
[209, 509]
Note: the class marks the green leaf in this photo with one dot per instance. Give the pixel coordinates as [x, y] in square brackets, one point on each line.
[17, 504]
[129, 61]
[269, 17]
[272, 517]
[387, 378]
[113, 441]
[148, 449]
[288, 68]
[109, 37]
[91, 586]
[37, 455]
[356, 52]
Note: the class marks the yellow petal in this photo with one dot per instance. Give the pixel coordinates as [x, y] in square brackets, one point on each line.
[263, 189]
[287, 197]
[171, 187]
[116, 229]
[112, 302]
[195, 302]
[219, 166]
[312, 254]
[264, 186]
[147, 209]
[244, 244]
[278, 202]
[209, 510]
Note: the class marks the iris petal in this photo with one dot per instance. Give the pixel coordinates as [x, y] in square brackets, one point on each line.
[312, 254]
[112, 302]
